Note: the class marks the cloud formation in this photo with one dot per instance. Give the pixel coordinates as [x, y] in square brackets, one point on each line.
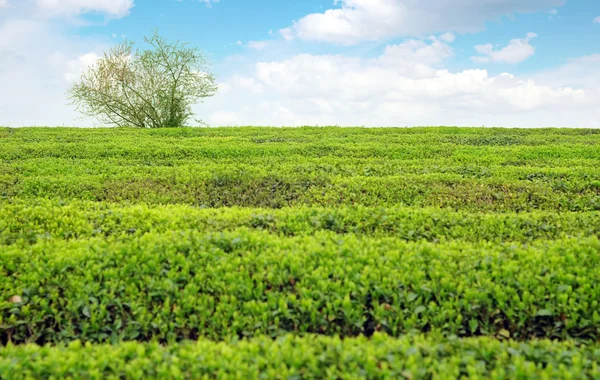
[258, 45]
[360, 20]
[37, 60]
[110, 8]
[517, 50]
[415, 82]
[405, 85]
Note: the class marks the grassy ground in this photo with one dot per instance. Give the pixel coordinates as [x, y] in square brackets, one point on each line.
[332, 252]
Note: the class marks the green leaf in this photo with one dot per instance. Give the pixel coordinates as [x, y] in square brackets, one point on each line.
[411, 296]
[544, 313]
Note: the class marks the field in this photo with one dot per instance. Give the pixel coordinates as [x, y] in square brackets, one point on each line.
[299, 253]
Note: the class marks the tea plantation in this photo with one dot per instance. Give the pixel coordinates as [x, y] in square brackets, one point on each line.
[299, 253]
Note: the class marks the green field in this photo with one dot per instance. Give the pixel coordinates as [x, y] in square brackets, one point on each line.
[299, 253]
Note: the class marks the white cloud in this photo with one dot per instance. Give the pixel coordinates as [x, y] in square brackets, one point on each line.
[40, 56]
[3, 3]
[581, 72]
[111, 8]
[246, 83]
[224, 88]
[208, 2]
[258, 45]
[224, 118]
[597, 20]
[448, 37]
[36, 61]
[74, 67]
[518, 50]
[357, 20]
[406, 86]
[349, 79]
[420, 52]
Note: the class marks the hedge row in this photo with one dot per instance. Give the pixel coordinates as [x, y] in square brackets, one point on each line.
[471, 169]
[285, 190]
[185, 285]
[308, 357]
[572, 173]
[423, 143]
[28, 222]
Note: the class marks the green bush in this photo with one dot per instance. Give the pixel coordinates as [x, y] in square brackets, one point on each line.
[470, 169]
[299, 253]
[308, 357]
[185, 285]
[28, 222]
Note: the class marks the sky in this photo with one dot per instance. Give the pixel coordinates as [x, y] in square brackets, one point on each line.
[508, 63]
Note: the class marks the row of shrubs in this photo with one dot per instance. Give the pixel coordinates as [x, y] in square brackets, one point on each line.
[573, 173]
[187, 284]
[28, 222]
[320, 357]
[392, 143]
[281, 190]
[471, 169]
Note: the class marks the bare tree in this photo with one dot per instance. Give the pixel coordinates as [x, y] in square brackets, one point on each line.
[153, 88]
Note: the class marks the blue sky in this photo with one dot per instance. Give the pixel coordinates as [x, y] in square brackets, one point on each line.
[351, 62]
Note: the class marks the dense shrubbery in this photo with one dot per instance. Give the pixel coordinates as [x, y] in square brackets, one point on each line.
[115, 235]
[309, 357]
[28, 222]
[183, 285]
[470, 169]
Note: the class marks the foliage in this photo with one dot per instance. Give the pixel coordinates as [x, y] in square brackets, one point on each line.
[308, 357]
[153, 88]
[186, 284]
[308, 252]
[25, 222]
[551, 170]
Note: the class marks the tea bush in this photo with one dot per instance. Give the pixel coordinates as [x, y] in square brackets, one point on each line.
[299, 253]
[184, 285]
[292, 357]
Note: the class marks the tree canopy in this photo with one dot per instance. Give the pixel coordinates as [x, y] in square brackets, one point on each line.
[151, 88]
